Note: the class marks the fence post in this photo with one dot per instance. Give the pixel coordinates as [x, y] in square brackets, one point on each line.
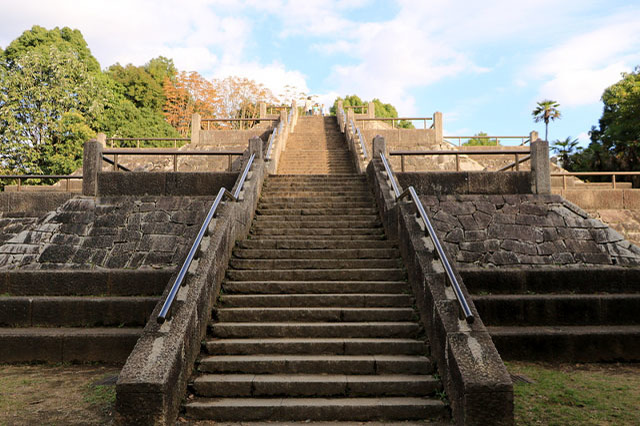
[91, 165]
[437, 126]
[540, 165]
[371, 110]
[263, 110]
[195, 129]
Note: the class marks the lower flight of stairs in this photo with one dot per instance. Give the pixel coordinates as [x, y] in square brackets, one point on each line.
[563, 318]
[315, 321]
[55, 320]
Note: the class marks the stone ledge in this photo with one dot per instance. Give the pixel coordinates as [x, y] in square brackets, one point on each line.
[164, 183]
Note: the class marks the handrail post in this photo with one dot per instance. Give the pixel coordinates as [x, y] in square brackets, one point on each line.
[613, 180]
[517, 164]
[457, 162]
[91, 164]
[402, 163]
[196, 127]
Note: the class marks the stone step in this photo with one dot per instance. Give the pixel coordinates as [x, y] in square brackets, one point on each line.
[559, 309]
[318, 212]
[279, 220]
[309, 232]
[68, 311]
[297, 244]
[368, 253]
[238, 330]
[322, 237]
[308, 205]
[318, 287]
[309, 195]
[261, 264]
[316, 364]
[361, 185]
[327, 314]
[316, 346]
[394, 274]
[313, 385]
[268, 199]
[614, 343]
[316, 409]
[265, 223]
[354, 300]
[39, 344]
[353, 177]
[574, 281]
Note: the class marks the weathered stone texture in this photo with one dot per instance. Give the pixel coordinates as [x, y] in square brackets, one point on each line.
[105, 232]
[525, 230]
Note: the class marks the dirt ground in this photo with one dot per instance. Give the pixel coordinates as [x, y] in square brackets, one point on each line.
[57, 394]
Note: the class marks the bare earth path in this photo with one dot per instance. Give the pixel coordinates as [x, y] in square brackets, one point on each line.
[57, 394]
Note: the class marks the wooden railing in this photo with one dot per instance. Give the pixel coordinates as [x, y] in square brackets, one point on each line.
[116, 152]
[578, 174]
[138, 140]
[20, 178]
[256, 120]
[523, 139]
[457, 154]
[394, 119]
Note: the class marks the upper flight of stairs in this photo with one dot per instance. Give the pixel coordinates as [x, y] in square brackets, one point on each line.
[316, 147]
[315, 321]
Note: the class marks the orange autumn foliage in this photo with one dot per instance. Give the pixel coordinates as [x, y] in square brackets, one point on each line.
[187, 94]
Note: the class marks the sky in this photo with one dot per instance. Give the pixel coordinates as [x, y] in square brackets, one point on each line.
[483, 64]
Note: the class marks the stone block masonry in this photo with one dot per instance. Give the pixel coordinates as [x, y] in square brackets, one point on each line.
[525, 230]
[108, 232]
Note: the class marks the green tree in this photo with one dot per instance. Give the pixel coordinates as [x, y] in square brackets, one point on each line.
[138, 86]
[618, 131]
[159, 68]
[38, 90]
[381, 109]
[480, 139]
[565, 149]
[64, 39]
[546, 111]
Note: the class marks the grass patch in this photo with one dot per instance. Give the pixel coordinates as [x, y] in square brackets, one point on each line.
[580, 394]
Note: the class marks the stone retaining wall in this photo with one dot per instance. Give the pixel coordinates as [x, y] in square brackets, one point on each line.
[164, 183]
[108, 232]
[524, 230]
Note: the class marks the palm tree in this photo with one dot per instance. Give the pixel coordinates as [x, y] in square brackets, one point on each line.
[545, 111]
[565, 149]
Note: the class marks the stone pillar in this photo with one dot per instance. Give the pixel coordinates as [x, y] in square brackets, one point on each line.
[255, 146]
[379, 145]
[350, 115]
[195, 128]
[371, 110]
[283, 116]
[437, 126]
[91, 165]
[540, 165]
[263, 110]
[102, 138]
[340, 106]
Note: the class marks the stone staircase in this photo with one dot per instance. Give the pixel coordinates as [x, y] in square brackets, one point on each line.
[561, 316]
[67, 316]
[315, 321]
[316, 147]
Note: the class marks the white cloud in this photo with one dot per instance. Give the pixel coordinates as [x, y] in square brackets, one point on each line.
[578, 70]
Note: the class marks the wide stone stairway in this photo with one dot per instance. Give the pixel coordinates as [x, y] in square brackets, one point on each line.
[315, 321]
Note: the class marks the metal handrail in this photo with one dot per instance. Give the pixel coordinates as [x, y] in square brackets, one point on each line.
[175, 140]
[20, 178]
[524, 139]
[362, 144]
[175, 153]
[441, 255]
[458, 153]
[223, 192]
[613, 175]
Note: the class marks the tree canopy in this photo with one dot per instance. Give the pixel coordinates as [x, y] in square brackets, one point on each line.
[546, 110]
[381, 109]
[480, 139]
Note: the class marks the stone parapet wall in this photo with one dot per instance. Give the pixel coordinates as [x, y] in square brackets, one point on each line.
[108, 232]
[525, 230]
[31, 203]
[602, 198]
[164, 183]
[467, 182]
